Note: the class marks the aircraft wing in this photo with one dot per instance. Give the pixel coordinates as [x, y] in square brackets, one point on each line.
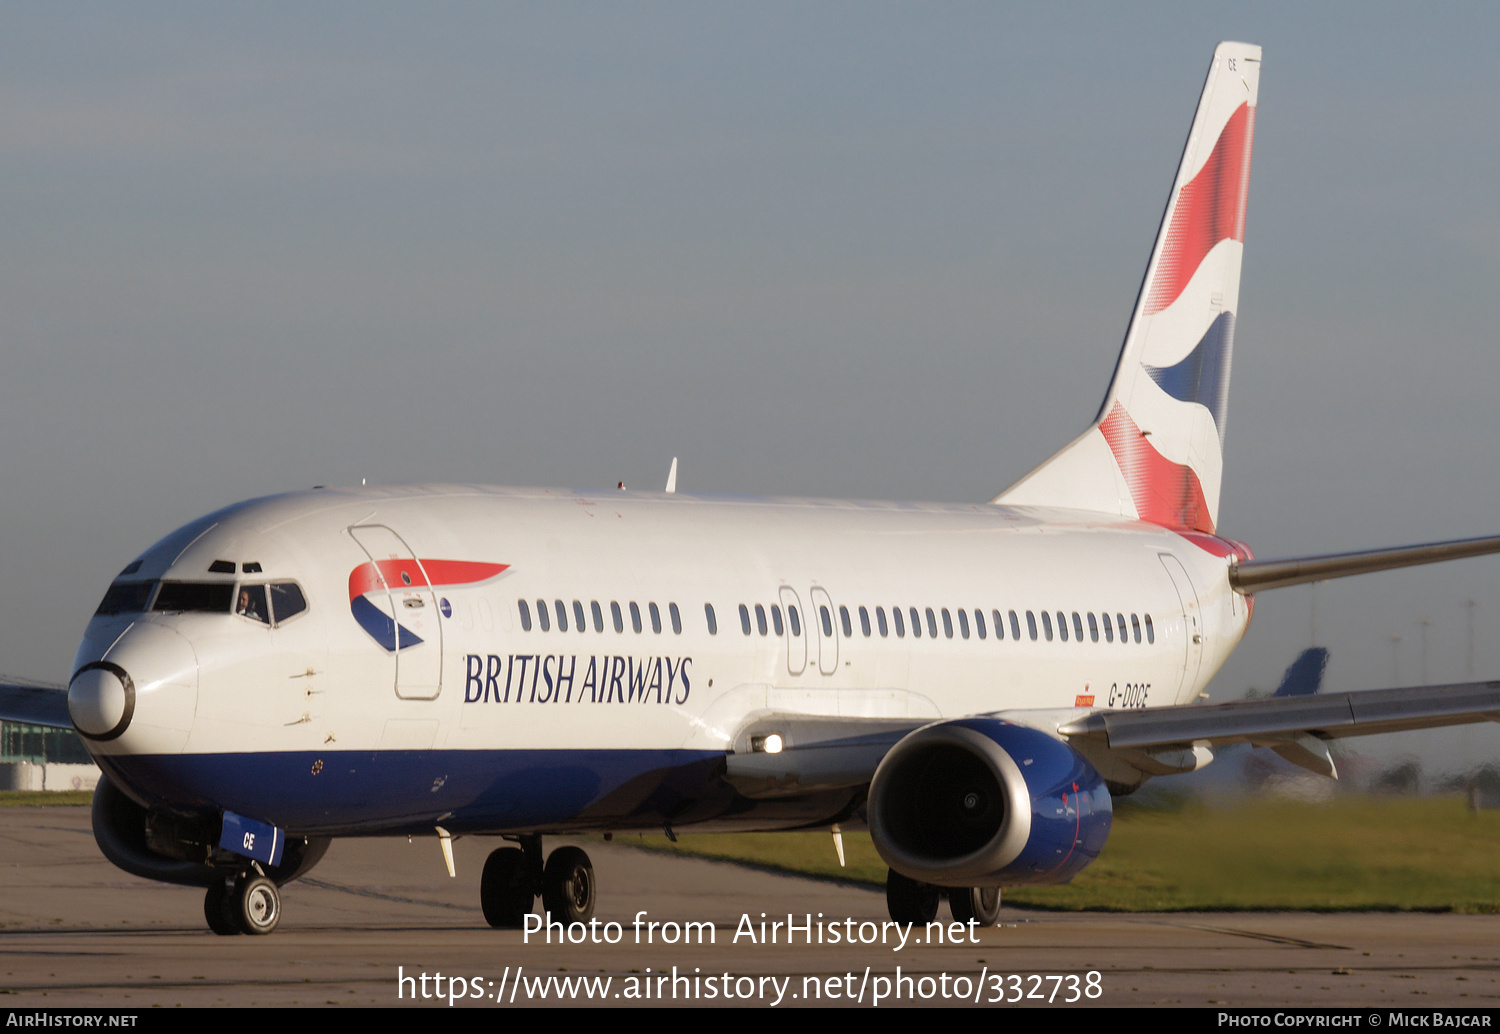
[821, 753]
[1262, 722]
[34, 705]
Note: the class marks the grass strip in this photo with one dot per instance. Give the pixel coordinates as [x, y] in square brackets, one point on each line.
[1351, 854]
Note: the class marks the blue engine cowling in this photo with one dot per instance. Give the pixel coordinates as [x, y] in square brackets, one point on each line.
[981, 802]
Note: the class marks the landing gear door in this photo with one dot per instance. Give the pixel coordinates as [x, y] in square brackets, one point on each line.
[407, 622]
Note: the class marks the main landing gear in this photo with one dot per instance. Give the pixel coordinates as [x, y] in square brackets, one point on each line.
[910, 901]
[514, 876]
[247, 903]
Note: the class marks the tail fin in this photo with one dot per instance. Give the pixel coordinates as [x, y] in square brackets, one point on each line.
[1155, 451]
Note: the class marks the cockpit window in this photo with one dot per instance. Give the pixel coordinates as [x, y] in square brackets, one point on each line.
[199, 597]
[252, 604]
[286, 601]
[126, 598]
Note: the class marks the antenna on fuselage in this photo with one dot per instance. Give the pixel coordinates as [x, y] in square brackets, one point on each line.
[672, 478]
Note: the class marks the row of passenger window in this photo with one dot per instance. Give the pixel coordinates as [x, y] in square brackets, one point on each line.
[898, 622]
[1047, 629]
[617, 617]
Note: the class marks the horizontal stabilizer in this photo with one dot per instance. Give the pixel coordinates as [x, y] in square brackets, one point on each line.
[1255, 575]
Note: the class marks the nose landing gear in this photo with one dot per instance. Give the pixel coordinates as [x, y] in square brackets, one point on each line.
[247, 903]
[513, 877]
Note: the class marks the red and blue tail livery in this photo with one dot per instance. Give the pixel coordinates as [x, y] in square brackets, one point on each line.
[1155, 451]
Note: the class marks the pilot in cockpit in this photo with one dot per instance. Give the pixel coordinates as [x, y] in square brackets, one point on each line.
[252, 603]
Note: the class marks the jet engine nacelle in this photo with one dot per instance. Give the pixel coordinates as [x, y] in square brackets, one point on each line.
[171, 849]
[981, 802]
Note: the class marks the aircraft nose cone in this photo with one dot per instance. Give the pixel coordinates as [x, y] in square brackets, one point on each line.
[101, 700]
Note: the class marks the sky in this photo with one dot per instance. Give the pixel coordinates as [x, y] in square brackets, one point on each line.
[839, 249]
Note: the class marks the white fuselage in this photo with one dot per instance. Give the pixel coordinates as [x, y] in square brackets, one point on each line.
[338, 732]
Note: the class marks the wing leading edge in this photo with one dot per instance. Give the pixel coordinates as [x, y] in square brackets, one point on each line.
[34, 705]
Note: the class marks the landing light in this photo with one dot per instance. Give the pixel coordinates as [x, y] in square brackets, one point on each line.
[771, 743]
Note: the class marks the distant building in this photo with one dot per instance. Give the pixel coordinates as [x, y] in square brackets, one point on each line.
[33, 757]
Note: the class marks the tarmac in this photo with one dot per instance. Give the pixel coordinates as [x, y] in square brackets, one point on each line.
[380, 923]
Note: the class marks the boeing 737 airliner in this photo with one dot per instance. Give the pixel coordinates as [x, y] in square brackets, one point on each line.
[972, 683]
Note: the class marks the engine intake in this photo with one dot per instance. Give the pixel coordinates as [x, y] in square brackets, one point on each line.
[981, 802]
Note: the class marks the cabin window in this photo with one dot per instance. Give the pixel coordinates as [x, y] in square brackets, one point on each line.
[844, 620]
[525, 615]
[635, 617]
[1077, 627]
[900, 628]
[619, 622]
[1031, 626]
[1135, 627]
[579, 621]
[1062, 626]
[916, 623]
[880, 621]
[598, 615]
[713, 623]
[776, 625]
[999, 624]
[676, 618]
[760, 619]
[745, 619]
[963, 622]
[1015, 627]
[827, 622]
[562, 617]
[1093, 628]
[1120, 624]
[655, 618]
[793, 620]
[979, 622]
[864, 621]
[1047, 626]
[947, 624]
[541, 615]
[1109, 630]
[1150, 630]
